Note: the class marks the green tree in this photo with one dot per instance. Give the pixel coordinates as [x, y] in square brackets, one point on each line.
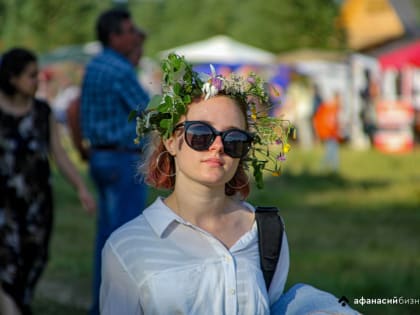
[176, 22]
[283, 25]
[271, 24]
[46, 24]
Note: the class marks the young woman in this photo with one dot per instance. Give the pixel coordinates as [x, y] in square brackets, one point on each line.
[28, 135]
[196, 251]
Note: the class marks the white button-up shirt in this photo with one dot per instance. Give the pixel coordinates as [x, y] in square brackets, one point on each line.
[161, 264]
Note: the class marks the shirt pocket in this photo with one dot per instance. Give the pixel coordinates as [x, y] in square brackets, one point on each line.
[173, 291]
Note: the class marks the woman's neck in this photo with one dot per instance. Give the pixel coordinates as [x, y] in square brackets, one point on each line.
[220, 215]
[199, 203]
[16, 104]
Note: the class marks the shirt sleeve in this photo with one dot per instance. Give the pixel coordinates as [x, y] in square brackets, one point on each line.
[119, 292]
[132, 92]
[282, 270]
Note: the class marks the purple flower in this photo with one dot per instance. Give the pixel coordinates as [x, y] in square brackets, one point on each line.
[251, 80]
[281, 157]
[217, 83]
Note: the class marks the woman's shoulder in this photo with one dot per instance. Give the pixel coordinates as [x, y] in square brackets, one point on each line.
[133, 228]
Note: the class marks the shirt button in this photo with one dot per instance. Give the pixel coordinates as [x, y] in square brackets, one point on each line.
[228, 258]
[232, 291]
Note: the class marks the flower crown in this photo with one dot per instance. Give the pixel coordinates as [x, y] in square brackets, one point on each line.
[181, 84]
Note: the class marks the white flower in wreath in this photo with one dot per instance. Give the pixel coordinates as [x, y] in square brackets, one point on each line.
[213, 85]
[209, 90]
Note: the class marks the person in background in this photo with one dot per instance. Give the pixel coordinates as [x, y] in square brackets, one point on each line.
[299, 102]
[73, 109]
[369, 95]
[316, 102]
[327, 126]
[110, 90]
[29, 134]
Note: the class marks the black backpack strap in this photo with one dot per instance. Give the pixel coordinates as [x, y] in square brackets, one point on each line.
[270, 236]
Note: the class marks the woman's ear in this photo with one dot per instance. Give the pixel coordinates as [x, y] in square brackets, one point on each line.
[170, 145]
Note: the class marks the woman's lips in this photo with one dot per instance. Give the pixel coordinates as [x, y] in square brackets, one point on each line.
[213, 162]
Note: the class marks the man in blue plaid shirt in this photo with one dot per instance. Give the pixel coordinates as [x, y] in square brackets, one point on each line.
[110, 91]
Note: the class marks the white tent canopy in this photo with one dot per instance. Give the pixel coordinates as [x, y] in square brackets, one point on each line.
[222, 49]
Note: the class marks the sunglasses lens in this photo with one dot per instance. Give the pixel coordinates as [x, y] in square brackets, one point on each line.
[236, 143]
[199, 136]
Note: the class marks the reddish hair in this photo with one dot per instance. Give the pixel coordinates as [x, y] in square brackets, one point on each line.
[160, 168]
[239, 183]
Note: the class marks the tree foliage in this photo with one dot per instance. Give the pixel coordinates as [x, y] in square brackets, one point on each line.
[274, 25]
[46, 24]
[271, 24]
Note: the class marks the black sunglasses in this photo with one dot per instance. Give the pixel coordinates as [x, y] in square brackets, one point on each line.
[200, 136]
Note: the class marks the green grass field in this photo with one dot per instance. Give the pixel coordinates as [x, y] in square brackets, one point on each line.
[355, 234]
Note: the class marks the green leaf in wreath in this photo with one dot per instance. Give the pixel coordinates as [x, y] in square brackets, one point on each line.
[154, 102]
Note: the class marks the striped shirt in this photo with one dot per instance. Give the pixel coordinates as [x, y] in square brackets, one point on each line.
[110, 91]
[160, 264]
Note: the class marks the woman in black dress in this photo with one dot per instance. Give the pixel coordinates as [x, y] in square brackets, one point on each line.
[28, 135]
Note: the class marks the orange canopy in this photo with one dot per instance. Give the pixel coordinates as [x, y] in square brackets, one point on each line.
[369, 22]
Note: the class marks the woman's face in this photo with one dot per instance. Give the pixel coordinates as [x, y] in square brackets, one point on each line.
[211, 167]
[26, 83]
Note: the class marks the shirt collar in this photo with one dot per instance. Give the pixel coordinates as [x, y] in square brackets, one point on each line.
[160, 216]
[116, 54]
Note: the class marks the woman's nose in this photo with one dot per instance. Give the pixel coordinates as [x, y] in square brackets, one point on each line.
[217, 144]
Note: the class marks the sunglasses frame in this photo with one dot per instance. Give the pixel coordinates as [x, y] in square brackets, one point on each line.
[215, 133]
